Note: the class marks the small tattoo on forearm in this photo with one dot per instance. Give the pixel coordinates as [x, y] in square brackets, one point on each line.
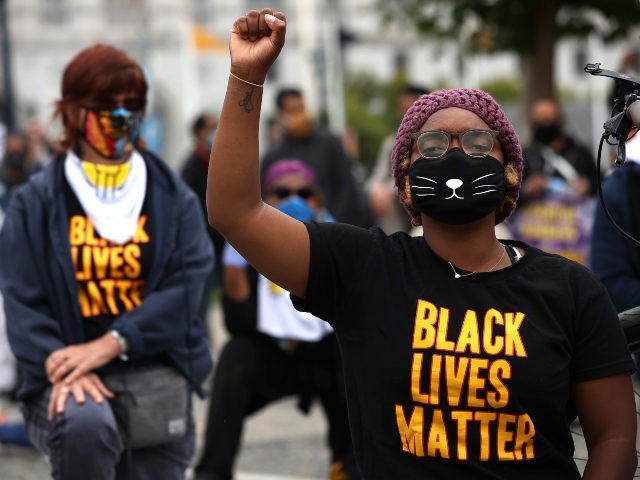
[246, 102]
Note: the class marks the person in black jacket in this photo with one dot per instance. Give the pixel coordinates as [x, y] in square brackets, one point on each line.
[194, 173]
[554, 159]
[303, 139]
[103, 257]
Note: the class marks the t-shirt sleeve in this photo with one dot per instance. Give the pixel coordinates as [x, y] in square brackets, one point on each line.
[600, 347]
[339, 255]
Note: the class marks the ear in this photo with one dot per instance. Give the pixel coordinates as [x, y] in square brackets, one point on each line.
[73, 117]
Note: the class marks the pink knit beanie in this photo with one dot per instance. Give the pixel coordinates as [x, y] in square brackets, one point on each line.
[476, 101]
[288, 166]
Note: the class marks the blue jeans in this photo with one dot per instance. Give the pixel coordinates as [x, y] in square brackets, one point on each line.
[83, 442]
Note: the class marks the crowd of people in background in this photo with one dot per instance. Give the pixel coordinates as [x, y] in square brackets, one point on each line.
[308, 172]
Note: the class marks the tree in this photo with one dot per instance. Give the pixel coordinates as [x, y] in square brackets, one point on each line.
[531, 28]
[371, 109]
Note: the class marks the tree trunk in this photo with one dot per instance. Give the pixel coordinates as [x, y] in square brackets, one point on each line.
[538, 65]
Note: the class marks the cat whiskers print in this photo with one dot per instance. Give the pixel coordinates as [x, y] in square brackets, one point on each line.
[491, 187]
[454, 184]
[421, 187]
[456, 188]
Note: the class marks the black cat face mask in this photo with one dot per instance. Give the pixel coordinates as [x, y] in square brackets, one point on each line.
[457, 188]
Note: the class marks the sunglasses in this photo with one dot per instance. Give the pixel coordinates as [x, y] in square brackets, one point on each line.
[433, 144]
[133, 104]
[284, 192]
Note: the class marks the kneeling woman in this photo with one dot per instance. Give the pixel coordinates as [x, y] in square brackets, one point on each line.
[465, 356]
[103, 255]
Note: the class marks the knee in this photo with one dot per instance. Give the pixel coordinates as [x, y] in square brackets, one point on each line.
[88, 425]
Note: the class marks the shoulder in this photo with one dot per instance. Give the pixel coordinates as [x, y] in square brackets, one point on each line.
[167, 180]
[552, 268]
[351, 242]
[615, 184]
[43, 183]
[159, 172]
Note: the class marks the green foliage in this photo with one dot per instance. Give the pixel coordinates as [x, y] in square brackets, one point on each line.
[504, 89]
[499, 25]
[371, 110]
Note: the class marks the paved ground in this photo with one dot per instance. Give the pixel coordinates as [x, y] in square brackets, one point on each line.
[279, 442]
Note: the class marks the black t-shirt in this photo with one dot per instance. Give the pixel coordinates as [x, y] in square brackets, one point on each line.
[110, 278]
[462, 379]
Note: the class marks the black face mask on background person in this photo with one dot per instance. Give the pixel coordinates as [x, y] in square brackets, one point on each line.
[457, 188]
[547, 132]
[14, 161]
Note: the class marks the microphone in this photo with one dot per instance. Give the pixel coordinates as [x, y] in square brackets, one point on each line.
[622, 121]
[633, 109]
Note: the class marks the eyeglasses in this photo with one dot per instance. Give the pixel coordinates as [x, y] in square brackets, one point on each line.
[133, 104]
[284, 192]
[433, 144]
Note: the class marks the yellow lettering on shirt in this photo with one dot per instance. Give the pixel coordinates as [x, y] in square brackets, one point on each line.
[471, 366]
[107, 274]
[411, 433]
[438, 443]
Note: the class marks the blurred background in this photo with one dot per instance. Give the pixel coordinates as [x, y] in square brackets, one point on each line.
[350, 57]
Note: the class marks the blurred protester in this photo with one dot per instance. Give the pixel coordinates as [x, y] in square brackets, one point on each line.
[614, 258]
[323, 152]
[194, 173]
[40, 146]
[350, 140]
[275, 130]
[15, 169]
[103, 255]
[17, 165]
[274, 350]
[383, 199]
[555, 207]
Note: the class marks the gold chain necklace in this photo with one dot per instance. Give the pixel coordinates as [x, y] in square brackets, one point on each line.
[457, 275]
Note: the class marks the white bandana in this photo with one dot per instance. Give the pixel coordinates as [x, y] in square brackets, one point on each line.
[114, 211]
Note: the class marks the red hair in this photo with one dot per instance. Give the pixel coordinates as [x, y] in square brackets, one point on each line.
[97, 72]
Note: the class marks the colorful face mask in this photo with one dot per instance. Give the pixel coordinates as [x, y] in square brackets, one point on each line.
[111, 132]
[457, 188]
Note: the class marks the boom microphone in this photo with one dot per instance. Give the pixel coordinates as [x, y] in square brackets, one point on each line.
[633, 110]
[626, 110]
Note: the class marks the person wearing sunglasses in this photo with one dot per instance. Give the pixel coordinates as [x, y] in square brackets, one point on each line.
[465, 356]
[274, 351]
[103, 257]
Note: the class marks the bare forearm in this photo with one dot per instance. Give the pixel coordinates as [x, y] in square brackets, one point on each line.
[612, 460]
[233, 185]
